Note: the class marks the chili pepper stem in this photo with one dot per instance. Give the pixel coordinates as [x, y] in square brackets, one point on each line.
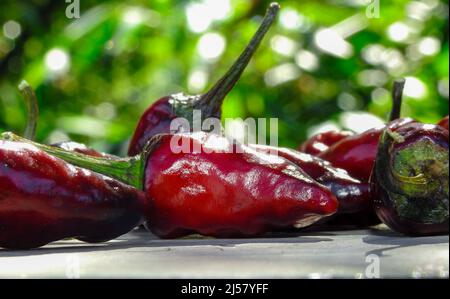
[397, 96]
[127, 170]
[211, 101]
[32, 109]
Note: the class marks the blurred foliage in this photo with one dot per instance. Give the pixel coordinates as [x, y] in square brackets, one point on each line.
[94, 76]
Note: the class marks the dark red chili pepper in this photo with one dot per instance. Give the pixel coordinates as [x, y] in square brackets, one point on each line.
[44, 199]
[356, 153]
[322, 141]
[410, 180]
[218, 188]
[353, 195]
[157, 118]
[444, 123]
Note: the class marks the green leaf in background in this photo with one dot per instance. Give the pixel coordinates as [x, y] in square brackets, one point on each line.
[323, 61]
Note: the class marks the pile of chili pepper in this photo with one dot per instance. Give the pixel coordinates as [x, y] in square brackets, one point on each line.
[181, 182]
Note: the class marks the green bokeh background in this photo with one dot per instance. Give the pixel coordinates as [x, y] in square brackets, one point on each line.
[124, 55]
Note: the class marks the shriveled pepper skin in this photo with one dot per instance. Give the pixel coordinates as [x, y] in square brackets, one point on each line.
[410, 181]
[216, 192]
[356, 153]
[352, 194]
[44, 199]
[444, 123]
[321, 142]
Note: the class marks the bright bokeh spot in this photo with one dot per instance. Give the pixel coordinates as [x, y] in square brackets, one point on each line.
[360, 121]
[307, 60]
[415, 88]
[443, 87]
[380, 96]
[398, 32]
[211, 46]
[200, 15]
[290, 19]
[133, 16]
[394, 61]
[218, 10]
[372, 78]
[197, 80]
[283, 45]
[347, 101]
[329, 41]
[281, 74]
[373, 53]
[429, 46]
[57, 60]
[12, 29]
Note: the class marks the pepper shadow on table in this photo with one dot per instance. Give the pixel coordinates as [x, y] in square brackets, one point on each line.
[393, 240]
[140, 239]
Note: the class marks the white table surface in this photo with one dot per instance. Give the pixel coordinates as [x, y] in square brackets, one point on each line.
[139, 254]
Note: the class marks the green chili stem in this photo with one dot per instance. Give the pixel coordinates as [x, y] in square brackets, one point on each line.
[127, 170]
[212, 100]
[32, 109]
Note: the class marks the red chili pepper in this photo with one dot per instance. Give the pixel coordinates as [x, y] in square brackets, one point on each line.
[322, 141]
[444, 123]
[157, 118]
[217, 189]
[44, 199]
[410, 180]
[353, 195]
[356, 153]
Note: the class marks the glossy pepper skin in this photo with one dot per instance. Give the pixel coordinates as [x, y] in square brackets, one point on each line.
[45, 199]
[353, 195]
[227, 194]
[356, 153]
[322, 141]
[214, 188]
[444, 123]
[158, 117]
[410, 181]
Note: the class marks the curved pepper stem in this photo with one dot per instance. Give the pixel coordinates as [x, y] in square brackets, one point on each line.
[32, 109]
[397, 97]
[127, 170]
[211, 101]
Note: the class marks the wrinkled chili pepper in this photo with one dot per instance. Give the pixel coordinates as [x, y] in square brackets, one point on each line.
[45, 199]
[410, 180]
[444, 123]
[158, 117]
[356, 153]
[353, 195]
[322, 141]
[218, 188]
